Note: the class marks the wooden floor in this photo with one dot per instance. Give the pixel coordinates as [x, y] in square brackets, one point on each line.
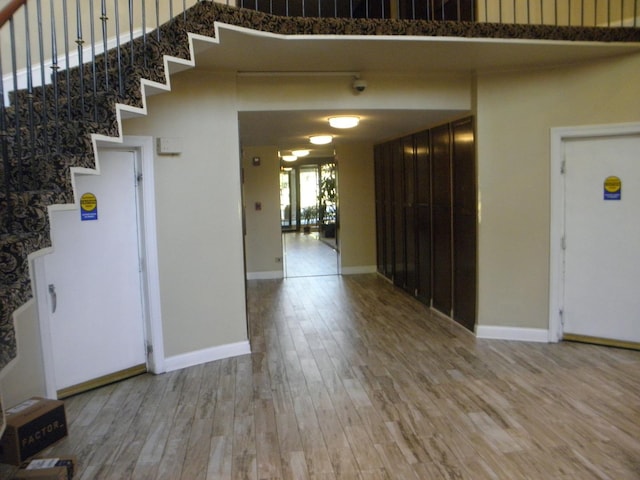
[308, 255]
[351, 379]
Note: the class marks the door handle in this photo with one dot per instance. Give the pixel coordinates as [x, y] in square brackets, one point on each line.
[54, 297]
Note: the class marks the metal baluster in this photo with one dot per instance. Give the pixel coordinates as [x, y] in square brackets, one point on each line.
[54, 74]
[144, 32]
[118, 52]
[32, 131]
[94, 72]
[635, 14]
[609, 13]
[104, 18]
[132, 51]
[5, 152]
[528, 13]
[184, 10]
[17, 104]
[66, 56]
[171, 10]
[351, 8]
[43, 120]
[157, 21]
[515, 17]
[80, 42]
[542, 12]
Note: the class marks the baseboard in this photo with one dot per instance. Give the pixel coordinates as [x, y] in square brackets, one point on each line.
[206, 355]
[265, 275]
[358, 270]
[513, 333]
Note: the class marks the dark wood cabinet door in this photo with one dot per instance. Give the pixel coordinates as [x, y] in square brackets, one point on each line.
[441, 215]
[464, 222]
[399, 233]
[422, 145]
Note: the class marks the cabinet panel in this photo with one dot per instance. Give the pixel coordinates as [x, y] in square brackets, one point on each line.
[465, 223]
[422, 143]
[409, 214]
[442, 221]
[399, 237]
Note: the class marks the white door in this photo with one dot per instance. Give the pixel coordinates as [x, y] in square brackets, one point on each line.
[94, 279]
[602, 238]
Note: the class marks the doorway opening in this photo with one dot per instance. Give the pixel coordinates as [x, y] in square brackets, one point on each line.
[309, 218]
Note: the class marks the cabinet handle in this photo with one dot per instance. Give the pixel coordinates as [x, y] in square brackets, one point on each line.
[54, 297]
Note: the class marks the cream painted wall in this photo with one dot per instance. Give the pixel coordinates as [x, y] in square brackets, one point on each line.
[411, 92]
[24, 377]
[263, 240]
[514, 114]
[356, 191]
[198, 207]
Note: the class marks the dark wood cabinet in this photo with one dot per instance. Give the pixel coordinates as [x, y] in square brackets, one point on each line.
[426, 204]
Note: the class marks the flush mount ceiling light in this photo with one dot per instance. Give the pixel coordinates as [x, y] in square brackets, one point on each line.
[344, 121]
[300, 153]
[289, 158]
[321, 139]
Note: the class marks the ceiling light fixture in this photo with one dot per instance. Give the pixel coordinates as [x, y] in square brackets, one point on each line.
[345, 121]
[289, 158]
[300, 153]
[321, 139]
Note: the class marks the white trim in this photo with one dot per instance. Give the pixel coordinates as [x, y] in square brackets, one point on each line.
[205, 355]
[512, 333]
[359, 270]
[557, 200]
[274, 274]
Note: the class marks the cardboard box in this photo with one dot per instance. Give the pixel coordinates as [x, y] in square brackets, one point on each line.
[59, 468]
[32, 426]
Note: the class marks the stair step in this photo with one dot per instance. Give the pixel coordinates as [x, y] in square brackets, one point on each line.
[24, 212]
[40, 172]
[83, 109]
[14, 251]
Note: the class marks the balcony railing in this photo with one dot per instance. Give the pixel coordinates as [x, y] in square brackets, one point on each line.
[582, 13]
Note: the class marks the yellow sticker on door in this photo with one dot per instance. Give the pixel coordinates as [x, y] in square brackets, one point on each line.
[612, 188]
[88, 207]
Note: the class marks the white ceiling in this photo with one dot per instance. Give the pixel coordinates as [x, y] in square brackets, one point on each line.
[250, 52]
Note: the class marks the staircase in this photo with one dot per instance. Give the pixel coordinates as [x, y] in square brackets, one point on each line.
[48, 131]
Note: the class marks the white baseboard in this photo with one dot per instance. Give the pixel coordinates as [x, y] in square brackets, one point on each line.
[513, 333]
[359, 270]
[265, 275]
[206, 355]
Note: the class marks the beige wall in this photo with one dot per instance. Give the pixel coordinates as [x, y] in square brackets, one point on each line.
[263, 240]
[515, 112]
[198, 212]
[24, 377]
[356, 192]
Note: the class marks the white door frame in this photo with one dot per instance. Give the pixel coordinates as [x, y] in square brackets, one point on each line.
[556, 252]
[143, 147]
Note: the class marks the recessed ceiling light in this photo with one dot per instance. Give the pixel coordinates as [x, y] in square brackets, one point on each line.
[289, 158]
[321, 139]
[300, 153]
[344, 121]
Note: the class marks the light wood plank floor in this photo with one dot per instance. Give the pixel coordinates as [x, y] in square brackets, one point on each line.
[351, 379]
[308, 255]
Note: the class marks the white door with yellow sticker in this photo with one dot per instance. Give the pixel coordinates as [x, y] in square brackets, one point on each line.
[602, 238]
[94, 279]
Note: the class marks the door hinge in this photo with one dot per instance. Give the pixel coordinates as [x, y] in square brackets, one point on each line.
[138, 179]
[149, 349]
[561, 313]
[563, 167]
[563, 243]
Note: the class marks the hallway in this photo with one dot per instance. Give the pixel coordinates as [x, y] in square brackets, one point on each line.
[309, 255]
[352, 379]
